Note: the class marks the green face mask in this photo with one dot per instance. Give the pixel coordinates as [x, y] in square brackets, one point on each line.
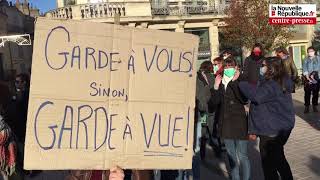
[229, 72]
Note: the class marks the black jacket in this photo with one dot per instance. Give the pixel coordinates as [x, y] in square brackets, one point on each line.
[251, 69]
[230, 113]
[203, 91]
[271, 109]
[18, 116]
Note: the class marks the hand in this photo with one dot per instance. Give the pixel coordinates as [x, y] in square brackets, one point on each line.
[246, 108]
[312, 77]
[236, 75]
[217, 81]
[116, 173]
[308, 78]
[252, 137]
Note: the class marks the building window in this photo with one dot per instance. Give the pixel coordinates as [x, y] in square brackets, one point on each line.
[159, 3]
[69, 2]
[235, 48]
[225, 1]
[316, 39]
[303, 53]
[297, 56]
[204, 44]
[171, 30]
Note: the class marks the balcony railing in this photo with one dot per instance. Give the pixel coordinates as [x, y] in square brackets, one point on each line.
[187, 9]
[89, 11]
[204, 50]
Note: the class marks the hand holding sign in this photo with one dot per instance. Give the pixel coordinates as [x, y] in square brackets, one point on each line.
[116, 173]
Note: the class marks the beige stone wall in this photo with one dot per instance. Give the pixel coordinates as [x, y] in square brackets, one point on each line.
[142, 8]
[138, 14]
[60, 3]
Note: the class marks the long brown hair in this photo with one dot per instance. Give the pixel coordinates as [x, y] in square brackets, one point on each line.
[275, 71]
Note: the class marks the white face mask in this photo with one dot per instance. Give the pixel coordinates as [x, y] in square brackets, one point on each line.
[263, 70]
[311, 54]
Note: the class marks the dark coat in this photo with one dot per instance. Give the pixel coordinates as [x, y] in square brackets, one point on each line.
[203, 93]
[251, 69]
[18, 115]
[290, 68]
[231, 115]
[271, 109]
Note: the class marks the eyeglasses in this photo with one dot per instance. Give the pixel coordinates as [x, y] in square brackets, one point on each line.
[18, 82]
[263, 65]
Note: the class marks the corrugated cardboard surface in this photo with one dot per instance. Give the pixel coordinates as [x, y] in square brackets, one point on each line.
[145, 118]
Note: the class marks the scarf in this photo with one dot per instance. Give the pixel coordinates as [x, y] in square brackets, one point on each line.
[8, 149]
[220, 71]
[225, 81]
[205, 77]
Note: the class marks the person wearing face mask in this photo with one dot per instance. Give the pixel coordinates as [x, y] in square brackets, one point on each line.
[217, 144]
[271, 117]
[232, 121]
[289, 66]
[311, 65]
[252, 65]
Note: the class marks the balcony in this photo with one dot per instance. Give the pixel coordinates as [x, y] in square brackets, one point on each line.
[187, 8]
[89, 11]
[204, 50]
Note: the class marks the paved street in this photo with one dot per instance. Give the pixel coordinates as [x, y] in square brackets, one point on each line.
[302, 150]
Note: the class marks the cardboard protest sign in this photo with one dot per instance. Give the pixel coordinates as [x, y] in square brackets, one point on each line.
[104, 95]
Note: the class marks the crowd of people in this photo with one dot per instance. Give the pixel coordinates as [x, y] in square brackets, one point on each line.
[235, 104]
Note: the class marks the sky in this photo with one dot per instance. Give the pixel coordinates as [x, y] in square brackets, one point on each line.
[43, 5]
